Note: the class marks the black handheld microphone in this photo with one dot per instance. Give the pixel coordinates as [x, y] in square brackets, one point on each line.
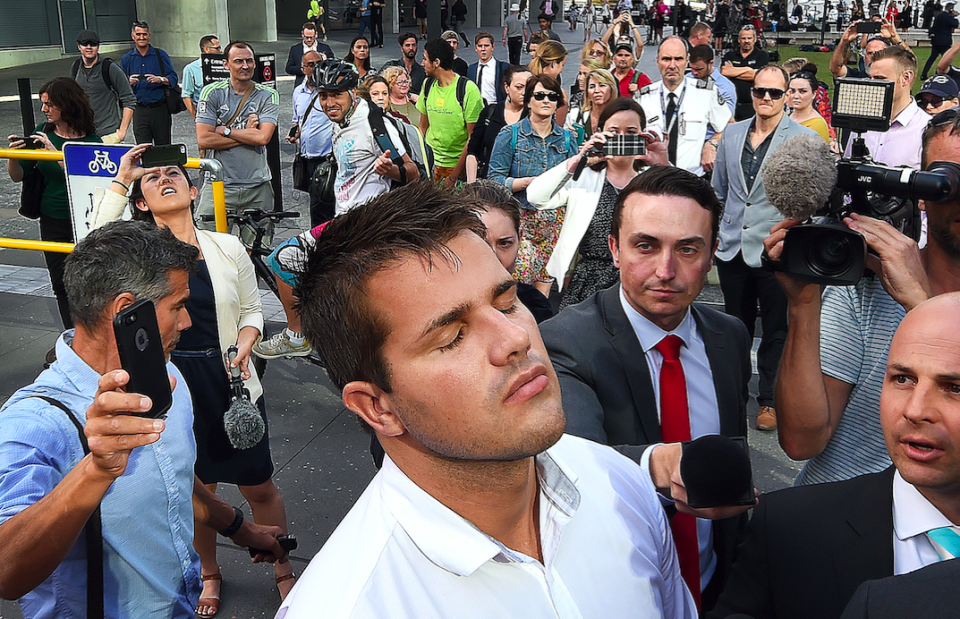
[716, 471]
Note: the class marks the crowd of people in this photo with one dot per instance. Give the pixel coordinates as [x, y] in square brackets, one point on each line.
[501, 277]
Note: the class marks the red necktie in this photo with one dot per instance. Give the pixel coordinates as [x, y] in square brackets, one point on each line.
[675, 427]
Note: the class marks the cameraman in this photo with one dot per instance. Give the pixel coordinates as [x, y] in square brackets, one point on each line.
[900, 145]
[828, 394]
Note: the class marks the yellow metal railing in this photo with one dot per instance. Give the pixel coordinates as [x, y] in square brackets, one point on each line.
[208, 165]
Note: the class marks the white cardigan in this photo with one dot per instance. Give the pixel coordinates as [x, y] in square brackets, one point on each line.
[231, 273]
[555, 188]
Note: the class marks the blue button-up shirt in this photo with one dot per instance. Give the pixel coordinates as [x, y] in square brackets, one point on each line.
[316, 133]
[155, 62]
[150, 566]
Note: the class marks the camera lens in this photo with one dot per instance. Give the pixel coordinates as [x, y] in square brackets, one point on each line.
[831, 256]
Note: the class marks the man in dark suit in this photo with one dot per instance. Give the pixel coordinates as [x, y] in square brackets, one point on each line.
[930, 593]
[808, 548]
[310, 43]
[490, 70]
[605, 349]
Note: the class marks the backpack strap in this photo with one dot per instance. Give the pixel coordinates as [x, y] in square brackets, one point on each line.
[427, 85]
[93, 529]
[461, 90]
[377, 123]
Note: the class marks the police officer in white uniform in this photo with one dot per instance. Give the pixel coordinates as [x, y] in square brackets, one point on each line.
[682, 108]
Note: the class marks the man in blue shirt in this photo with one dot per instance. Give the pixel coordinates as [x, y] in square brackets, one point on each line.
[139, 470]
[150, 71]
[193, 74]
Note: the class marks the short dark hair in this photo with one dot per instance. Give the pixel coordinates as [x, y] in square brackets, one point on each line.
[440, 50]
[488, 194]
[483, 34]
[123, 256]
[406, 35]
[699, 28]
[701, 52]
[670, 181]
[207, 40]
[308, 26]
[233, 44]
[904, 59]
[346, 326]
[512, 70]
[75, 110]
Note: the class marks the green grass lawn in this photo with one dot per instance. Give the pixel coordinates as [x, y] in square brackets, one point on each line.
[822, 60]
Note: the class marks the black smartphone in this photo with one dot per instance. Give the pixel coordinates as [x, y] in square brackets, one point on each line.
[170, 154]
[868, 27]
[141, 355]
[31, 143]
[719, 473]
[625, 144]
[287, 542]
[293, 132]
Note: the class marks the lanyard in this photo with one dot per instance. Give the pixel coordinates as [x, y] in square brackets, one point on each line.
[676, 110]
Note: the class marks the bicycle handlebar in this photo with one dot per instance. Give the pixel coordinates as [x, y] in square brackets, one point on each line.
[255, 214]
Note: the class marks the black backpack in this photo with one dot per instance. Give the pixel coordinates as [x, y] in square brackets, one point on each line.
[104, 72]
[461, 89]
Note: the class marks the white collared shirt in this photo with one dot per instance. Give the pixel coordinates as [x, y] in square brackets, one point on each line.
[913, 516]
[701, 400]
[606, 545]
[309, 49]
[488, 89]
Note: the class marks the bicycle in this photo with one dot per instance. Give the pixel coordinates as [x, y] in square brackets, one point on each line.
[252, 219]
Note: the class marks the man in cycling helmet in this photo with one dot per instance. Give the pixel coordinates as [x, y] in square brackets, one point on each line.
[364, 169]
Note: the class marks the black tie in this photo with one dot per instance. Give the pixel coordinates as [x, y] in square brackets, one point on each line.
[480, 79]
[672, 121]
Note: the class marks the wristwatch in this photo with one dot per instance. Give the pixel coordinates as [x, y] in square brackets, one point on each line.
[227, 131]
[713, 143]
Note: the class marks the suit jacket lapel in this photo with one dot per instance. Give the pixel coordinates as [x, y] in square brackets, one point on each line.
[868, 550]
[778, 137]
[723, 369]
[624, 341]
[738, 154]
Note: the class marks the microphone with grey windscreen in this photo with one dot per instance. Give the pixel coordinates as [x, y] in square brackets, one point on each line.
[242, 421]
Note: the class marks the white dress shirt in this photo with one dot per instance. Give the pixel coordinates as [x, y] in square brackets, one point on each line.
[488, 89]
[606, 545]
[913, 516]
[701, 400]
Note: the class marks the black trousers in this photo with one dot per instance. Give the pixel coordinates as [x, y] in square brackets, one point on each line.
[320, 211]
[151, 123]
[60, 230]
[743, 286]
[935, 52]
[515, 45]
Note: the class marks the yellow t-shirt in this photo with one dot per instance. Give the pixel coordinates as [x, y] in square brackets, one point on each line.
[818, 124]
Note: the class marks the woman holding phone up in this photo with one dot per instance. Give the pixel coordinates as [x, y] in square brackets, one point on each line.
[224, 306]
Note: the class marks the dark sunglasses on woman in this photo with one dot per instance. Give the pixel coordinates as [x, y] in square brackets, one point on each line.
[540, 96]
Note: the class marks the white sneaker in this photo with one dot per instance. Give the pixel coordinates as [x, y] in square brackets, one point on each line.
[280, 346]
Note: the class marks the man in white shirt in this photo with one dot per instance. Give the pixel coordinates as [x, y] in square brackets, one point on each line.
[901, 144]
[808, 548]
[487, 72]
[683, 109]
[483, 507]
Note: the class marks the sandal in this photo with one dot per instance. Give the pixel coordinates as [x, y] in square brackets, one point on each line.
[211, 602]
[283, 579]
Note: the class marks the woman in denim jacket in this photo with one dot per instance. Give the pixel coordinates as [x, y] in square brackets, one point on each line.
[582, 255]
[522, 152]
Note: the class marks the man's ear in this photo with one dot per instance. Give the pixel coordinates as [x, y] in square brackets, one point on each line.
[120, 303]
[374, 406]
[614, 250]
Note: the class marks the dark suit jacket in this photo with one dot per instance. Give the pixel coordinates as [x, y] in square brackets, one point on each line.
[808, 548]
[295, 59]
[608, 394]
[501, 66]
[929, 593]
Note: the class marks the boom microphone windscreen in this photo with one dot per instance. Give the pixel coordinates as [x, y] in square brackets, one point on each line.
[716, 471]
[799, 176]
[243, 424]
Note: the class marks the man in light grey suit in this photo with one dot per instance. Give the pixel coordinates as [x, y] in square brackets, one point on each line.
[747, 219]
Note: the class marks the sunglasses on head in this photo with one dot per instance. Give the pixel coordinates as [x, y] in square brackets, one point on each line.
[540, 96]
[774, 93]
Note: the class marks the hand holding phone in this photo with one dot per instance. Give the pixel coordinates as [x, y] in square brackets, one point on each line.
[28, 142]
[142, 355]
[169, 154]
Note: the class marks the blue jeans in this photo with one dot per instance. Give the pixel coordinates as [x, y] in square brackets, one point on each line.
[364, 25]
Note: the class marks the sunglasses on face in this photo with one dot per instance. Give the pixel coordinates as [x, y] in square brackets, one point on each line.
[597, 53]
[925, 102]
[540, 96]
[775, 94]
[403, 82]
[309, 64]
[89, 44]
